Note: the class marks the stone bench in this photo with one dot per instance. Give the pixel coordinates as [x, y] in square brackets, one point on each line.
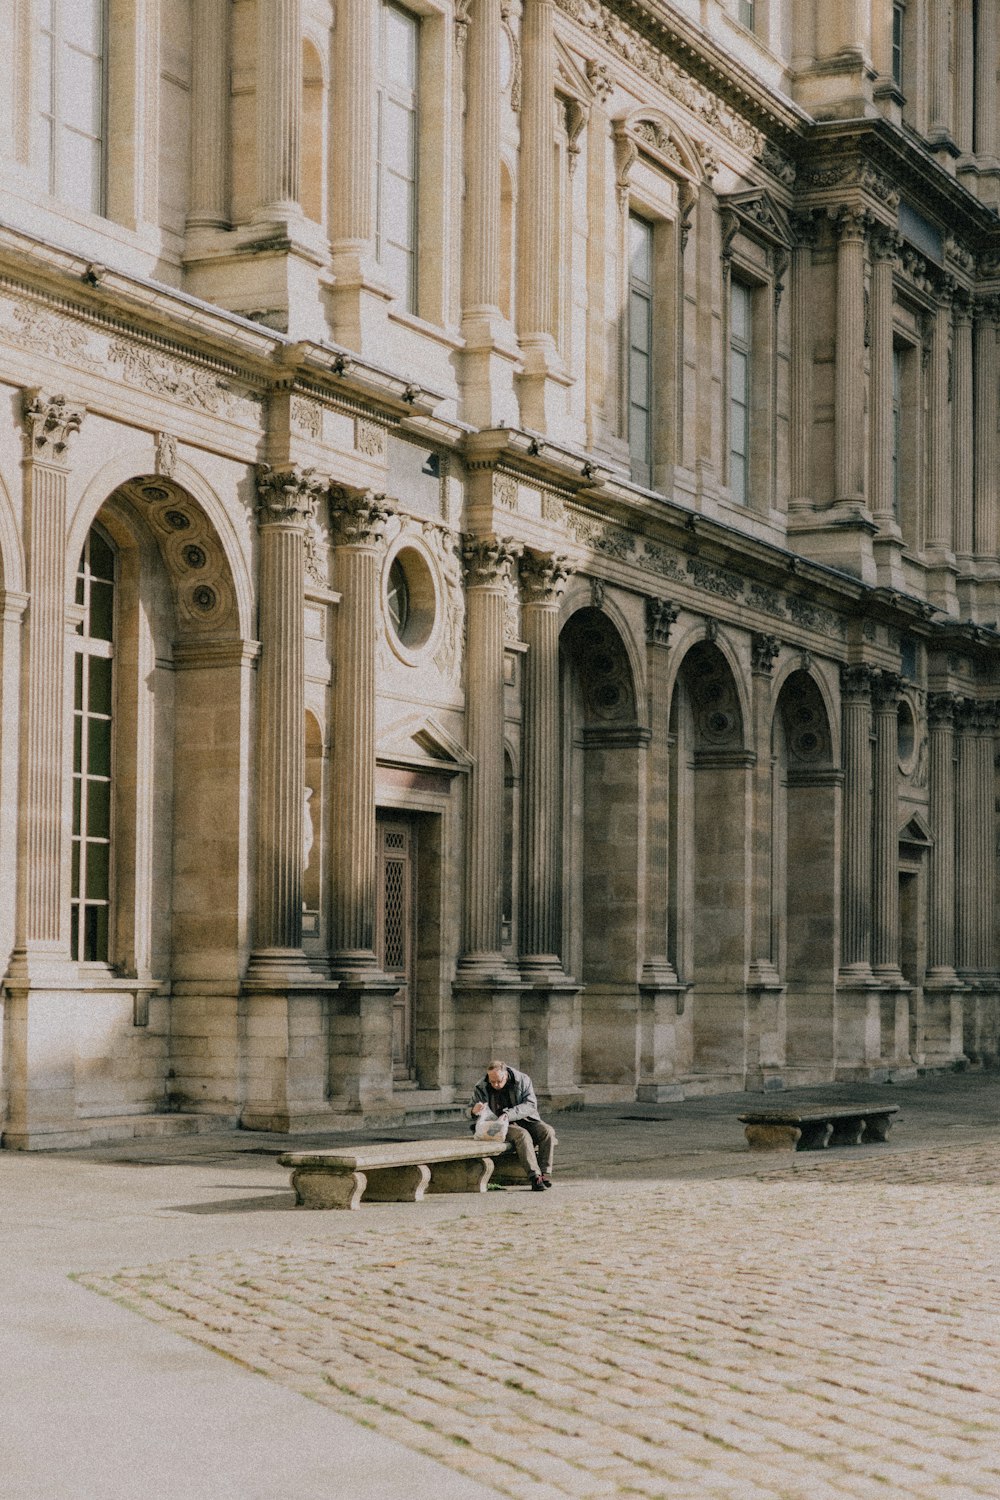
[390, 1172]
[813, 1128]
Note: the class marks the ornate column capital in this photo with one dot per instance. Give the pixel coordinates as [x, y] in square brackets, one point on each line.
[660, 616]
[856, 683]
[49, 423]
[805, 229]
[884, 242]
[358, 517]
[489, 560]
[763, 652]
[942, 709]
[886, 687]
[962, 304]
[850, 222]
[287, 495]
[543, 577]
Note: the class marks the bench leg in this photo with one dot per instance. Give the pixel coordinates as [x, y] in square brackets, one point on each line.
[876, 1128]
[468, 1176]
[321, 1188]
[816, 1135]
[847, 1132]
[397, 1184]
[772, 1137]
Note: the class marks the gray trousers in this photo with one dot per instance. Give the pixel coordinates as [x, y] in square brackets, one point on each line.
[527, 1135]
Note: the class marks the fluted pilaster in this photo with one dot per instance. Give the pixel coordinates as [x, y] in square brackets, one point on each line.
[536, 242]
[286, 500]
[883, 262]
[939, 510]
[850, 391]
[885, 826]
[802, 334]
[964, 72]
[856, 685]
[657, 968]
[986, 52]
[962, 429]
[764, 650]
[987, 380]
[488, 562]
[975, 854]
[941, 877]
[279, 108]
[359, 520]
[210, 117]
[543, 579]
[939, 69]
[481, 235]
[49, 423]
[352, 144]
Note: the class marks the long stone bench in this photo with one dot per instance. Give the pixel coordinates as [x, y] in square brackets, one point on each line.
[390, 1172]
[813, 1127]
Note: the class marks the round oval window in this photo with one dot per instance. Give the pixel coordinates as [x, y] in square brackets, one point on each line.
[398, 599]
[410, 600]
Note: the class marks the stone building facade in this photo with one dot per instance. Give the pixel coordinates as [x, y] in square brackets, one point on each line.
[498, 552]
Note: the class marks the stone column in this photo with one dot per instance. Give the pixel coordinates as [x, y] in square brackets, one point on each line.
[543, 579]
[488, 562]
[361, 1069]
[536, 236]
[987, 48]
[849, 397]
[599, 417]
[766, 1013]
[964, 74]
[941, 709]
[359, 300]
[939, 72]
[41, 932]
[359, 519]
[286, 502]
[968, 841]
[210, 118]
[962, 430]
[856, 687]
[481, 218]
[885, 827]
[279, 109]
[939, 546]
[661, 993]
[986, 384]
[883, 501]
[551, 1021]
[802, 333]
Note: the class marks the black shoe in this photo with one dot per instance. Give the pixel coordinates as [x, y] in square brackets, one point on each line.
[545, 1180]
[538, 1184]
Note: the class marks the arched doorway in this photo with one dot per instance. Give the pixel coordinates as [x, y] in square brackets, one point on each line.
[604, 748]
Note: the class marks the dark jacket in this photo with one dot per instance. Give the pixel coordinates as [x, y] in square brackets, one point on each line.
[517, 1096]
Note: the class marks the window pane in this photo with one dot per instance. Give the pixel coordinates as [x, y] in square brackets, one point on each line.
[78, 685]
[640, 236]
[95, 933]
[99, 747]
[738, 482]
[76, 868]
[102, 599]
[97, 871]
[639, 321]
[740, 312]
[400, 47]
[99, 672]
[98, 809]
[638, 378]
[80, 92]
[81, 23]
[739, 370]
[78, 171]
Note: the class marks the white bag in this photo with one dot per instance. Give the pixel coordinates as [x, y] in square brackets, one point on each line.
[490, 1127]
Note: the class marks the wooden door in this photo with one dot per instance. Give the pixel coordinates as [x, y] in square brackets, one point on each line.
[395, 937]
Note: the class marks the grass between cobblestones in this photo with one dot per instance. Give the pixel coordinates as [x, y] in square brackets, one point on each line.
[828, 1332]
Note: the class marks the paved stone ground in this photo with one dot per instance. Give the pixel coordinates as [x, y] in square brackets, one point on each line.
[818, 1327]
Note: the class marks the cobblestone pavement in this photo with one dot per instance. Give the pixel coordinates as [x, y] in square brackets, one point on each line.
[824, 1328]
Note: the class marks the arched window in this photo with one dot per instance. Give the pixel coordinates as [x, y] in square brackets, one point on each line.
[93, 710]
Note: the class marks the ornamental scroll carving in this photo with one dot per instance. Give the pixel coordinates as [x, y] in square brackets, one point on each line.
[358, 517]
[49, 423]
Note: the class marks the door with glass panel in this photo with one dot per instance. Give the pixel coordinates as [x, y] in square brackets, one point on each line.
[395, 936]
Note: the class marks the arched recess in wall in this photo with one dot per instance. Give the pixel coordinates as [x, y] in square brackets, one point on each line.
[709, 868]
[314, 134]
[603, 745]
[167, 725]
[804, 883]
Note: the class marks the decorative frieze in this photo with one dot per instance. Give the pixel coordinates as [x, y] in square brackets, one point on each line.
[369, 438]
[714, 580]
[306, 417]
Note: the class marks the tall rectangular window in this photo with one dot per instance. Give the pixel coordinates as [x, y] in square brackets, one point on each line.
[396, 158]
[898, 18]
[640, 348]
[70, 77]
[93, 697]
[745, 13]
[740, 367]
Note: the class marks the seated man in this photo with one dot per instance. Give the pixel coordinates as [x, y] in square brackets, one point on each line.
[511, 1094]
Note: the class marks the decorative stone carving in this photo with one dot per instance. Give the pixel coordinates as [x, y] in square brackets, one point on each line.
[577, 114]
[307, 417]
[543, 577]
[714, 580]
[166, 454]
[763, 653]
[600, 79]
[369, 438]
[597, 593]
[286, 495]
[505, 490]
[489, 560]
[49, 423]
[358, 517]
[660, 616]
[856, 683]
